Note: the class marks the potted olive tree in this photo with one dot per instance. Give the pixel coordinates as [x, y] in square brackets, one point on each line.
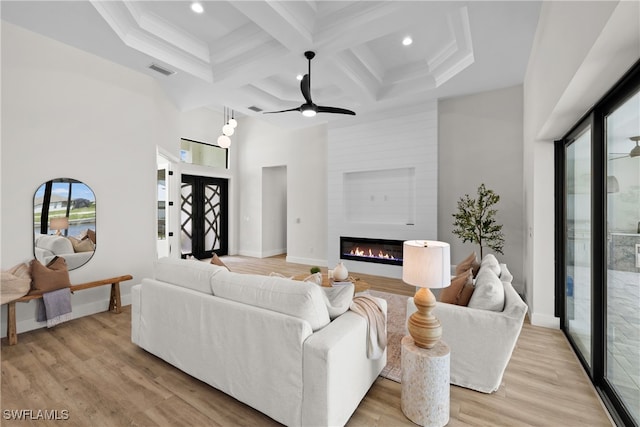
[475, 220]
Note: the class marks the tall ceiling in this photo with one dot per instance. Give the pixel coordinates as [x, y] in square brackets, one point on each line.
[243, 54]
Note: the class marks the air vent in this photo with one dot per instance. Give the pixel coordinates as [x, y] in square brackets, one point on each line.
[254, 108]
[161, 70]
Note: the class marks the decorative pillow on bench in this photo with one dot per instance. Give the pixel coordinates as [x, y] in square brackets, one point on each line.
[16, 283]
[51, 277]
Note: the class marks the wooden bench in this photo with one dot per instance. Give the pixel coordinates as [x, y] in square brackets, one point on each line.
[114, 301]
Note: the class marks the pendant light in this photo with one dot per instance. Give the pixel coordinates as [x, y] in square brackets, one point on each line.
[227, 130]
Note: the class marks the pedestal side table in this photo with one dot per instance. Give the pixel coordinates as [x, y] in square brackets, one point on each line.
[425, 383]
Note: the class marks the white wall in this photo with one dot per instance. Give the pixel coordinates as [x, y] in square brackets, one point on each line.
[580, 50]
[304, 153]
[480, 141]
[401, 138]
[66, 113]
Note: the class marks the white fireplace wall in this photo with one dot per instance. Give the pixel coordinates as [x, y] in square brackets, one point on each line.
[389, 162]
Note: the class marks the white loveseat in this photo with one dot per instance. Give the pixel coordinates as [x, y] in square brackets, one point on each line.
[481, 340]
[266, 341]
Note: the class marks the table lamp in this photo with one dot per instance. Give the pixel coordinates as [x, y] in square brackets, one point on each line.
[426, 264]
[59, 223]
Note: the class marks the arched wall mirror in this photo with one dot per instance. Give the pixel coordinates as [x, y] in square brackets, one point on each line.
[64, 222]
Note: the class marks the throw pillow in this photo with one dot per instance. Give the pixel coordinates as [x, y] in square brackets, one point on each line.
[470, 262]
[491, 262]
[215, 260]
[451, 294]
[466, 293]
[338, 299]
[314, 278]
[85, 245]
[488, 293]
[15, 283]
[51, 277]
[91, 235]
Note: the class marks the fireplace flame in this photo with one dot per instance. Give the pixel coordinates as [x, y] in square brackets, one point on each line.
[369, 253]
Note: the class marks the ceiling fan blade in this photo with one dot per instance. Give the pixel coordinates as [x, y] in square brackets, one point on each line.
[305, 88]
[282, 111]
[322, 109]
[621, 157]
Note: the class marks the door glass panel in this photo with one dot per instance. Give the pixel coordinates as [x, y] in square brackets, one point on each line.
[186, 217]
[623, 253]
[578, 251]
[212, 217]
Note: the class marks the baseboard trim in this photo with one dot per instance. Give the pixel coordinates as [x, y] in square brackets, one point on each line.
[78, 311]
[273, 252]
[545, 321]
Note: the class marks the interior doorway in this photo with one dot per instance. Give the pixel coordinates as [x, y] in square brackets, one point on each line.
[274, 210]
[203, 216]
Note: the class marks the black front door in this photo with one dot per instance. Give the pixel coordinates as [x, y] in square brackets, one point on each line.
[203, 216]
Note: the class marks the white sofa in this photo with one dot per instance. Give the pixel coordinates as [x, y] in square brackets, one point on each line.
[266, 341]
[46, 247]
[481, 340]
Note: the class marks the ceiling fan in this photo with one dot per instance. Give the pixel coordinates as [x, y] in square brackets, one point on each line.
[309, 109]
[635, 151]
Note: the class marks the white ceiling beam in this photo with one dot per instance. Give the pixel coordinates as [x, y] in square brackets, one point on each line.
[237, 43]
[173, 35]
[354, 78]
[280, 21]
[119, 18]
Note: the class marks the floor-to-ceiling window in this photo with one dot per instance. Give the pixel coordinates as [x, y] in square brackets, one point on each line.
[622, 358]
[578, 242]
[598, 211]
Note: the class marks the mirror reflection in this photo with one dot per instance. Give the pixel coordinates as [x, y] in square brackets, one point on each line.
[64, 222]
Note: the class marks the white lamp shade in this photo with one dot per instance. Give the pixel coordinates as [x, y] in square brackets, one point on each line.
[426, 263]
[60, 223]
[224, 141]
[228, 130]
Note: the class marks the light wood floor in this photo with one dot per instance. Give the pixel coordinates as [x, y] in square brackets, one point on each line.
[89, 367]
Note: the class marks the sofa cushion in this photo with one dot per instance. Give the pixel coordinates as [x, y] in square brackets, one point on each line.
[470, 262]
[505, 274]
[58, 245]
[489, 291]
[85, 245]
[491, 262]
[338, 298]
[187, 273]
[51, 277]
[451, 294]
[303, 300]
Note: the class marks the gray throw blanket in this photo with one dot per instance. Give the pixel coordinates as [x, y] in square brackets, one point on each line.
[55, 307]
[368, 307]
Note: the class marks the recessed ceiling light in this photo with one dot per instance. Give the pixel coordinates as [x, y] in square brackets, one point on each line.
[197, 7]
[299, 77]
[407, 41]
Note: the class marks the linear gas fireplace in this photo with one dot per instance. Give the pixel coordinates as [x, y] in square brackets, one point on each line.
[382, 251]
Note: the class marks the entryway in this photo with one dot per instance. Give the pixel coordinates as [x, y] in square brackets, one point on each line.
[203, 216]
[274, 210]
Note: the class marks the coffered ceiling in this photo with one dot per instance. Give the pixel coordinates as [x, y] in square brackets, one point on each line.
[246, 54]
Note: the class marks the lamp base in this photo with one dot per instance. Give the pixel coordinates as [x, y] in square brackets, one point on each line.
[424, 327]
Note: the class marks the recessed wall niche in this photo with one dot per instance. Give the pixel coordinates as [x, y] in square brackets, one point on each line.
[384, 196]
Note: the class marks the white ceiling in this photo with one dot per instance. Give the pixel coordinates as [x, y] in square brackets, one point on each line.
[248, 53]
